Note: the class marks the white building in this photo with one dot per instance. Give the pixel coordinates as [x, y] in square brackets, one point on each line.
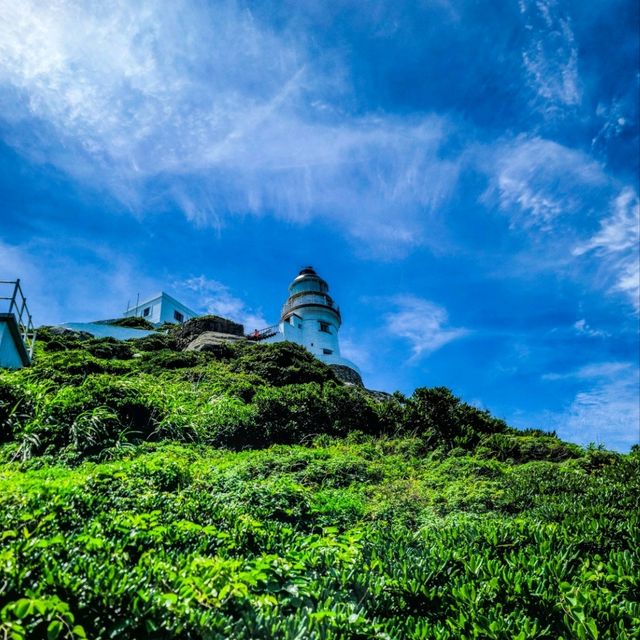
[312, 319]
[161, 308]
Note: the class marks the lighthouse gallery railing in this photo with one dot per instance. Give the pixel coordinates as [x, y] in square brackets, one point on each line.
[305, 299]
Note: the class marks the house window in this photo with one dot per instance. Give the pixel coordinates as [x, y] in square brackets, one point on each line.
[327, 352]
[146, 311]
[178, 316]
[324, 326]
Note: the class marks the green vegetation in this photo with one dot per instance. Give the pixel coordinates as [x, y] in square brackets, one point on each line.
[133, 322]
[245, 493]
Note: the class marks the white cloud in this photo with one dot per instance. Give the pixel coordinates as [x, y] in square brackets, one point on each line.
[540, 182]
[591, 371]
[556, 196]
[550, 57]
[615, 119]
[422, 323]
[583, 328]
[617, 244]
[607, 411]
[128, 94]
[216, 298]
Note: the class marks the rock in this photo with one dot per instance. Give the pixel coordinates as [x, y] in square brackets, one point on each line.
[347, 375]
[186, 333]
[211, 340]
[380, 396]
[59, 331]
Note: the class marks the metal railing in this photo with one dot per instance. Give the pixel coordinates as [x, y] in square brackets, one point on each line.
[309, 299]
[262, 334]
[18, 307]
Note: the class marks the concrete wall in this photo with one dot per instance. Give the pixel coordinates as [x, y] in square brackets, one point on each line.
[169, 307]
[107, 330]
[161, 309]
[9, 354]
[304, 328]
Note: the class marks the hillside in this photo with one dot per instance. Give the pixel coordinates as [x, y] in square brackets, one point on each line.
[244, 492]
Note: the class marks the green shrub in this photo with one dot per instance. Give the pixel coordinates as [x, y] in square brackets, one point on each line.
[229, 423]
[377, 517]
[290, 414]
[72, 367]
[350, 409]
[109, 349]
[280, 364]
[440, 418]
[167, 360]
[154, 342]
[52, 339]
[525, 448]
[132, 322]
[16, 407]
[97, 412]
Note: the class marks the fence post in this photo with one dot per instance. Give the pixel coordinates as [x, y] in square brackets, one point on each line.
[12, 303]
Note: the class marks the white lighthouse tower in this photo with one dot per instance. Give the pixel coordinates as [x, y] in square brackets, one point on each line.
[312, 319]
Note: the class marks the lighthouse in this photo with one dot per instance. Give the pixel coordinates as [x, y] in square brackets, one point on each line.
[311, 318]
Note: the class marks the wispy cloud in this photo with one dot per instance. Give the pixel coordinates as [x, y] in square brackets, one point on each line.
[538, 182]
[615, 119]
[216, 298]
[605, 411]
[129, 95]
[591, 371]
[583, 328]
[617, 244]
[550, 57]
[556, 196]
[422, 323]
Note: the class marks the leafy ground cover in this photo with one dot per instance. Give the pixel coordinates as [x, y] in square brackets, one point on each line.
[245, 493]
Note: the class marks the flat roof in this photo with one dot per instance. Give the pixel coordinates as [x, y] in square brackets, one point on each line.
[158, 296]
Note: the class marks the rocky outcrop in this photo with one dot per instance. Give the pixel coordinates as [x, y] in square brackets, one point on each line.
[65, 331]
[211, 341]
[347, 375]
[186, 333]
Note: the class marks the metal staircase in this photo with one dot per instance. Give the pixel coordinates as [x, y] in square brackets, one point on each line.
[262, 334]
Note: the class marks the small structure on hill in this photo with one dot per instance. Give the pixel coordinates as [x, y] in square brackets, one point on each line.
[156, 311]
[311, 318]
[161, 308]
[17, 333]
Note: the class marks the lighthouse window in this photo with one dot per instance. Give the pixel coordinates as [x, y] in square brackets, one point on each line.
[324, 326]
[146, 311]
[178, 316]
[327, 352]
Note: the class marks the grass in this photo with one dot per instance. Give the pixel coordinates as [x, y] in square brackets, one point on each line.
[147, 493]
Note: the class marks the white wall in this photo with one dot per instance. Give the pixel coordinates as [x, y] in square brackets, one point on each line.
[161, 309]
[9, 354]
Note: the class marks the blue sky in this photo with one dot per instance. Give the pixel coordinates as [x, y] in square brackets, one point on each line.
[464, 174]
